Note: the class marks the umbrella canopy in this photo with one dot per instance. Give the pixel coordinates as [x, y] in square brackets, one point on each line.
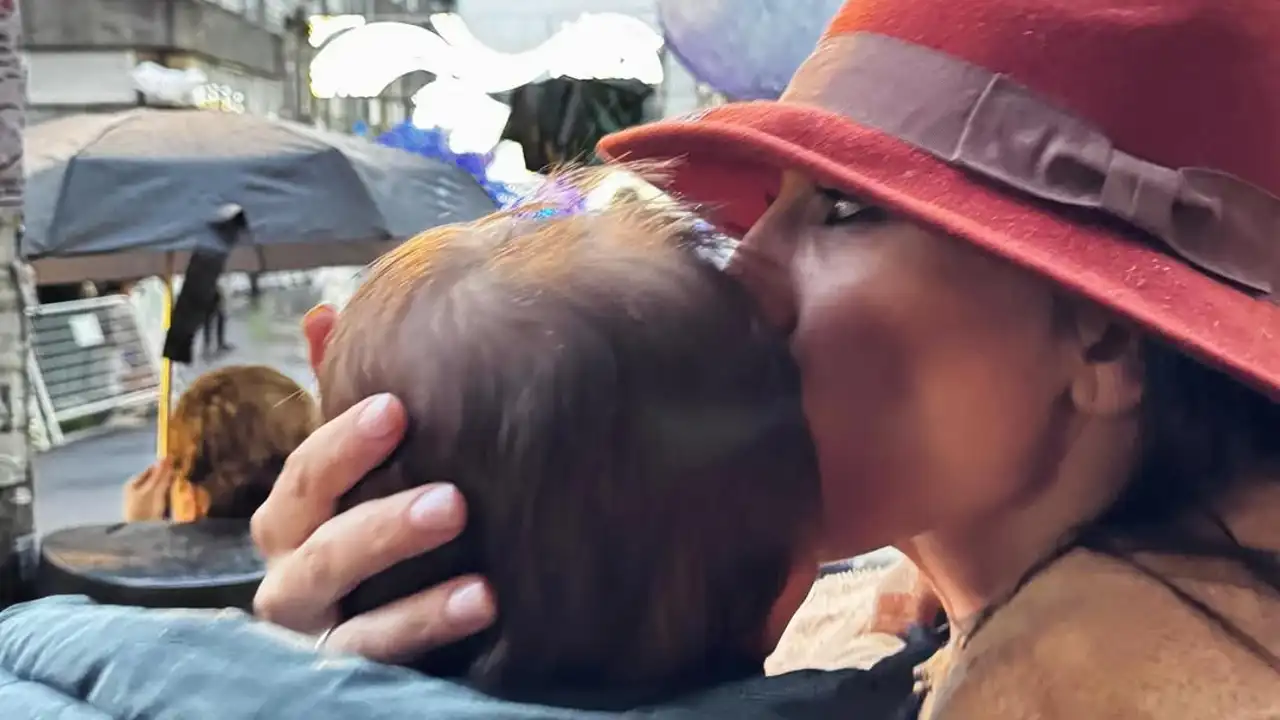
[111, 196]
[708, 36]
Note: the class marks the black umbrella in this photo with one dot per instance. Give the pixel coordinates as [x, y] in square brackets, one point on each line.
[118, 196]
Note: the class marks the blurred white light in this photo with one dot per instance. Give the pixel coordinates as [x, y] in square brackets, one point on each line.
[473, 121]
[606, 46]
[364, 60]
[320, 28]
[508, 167]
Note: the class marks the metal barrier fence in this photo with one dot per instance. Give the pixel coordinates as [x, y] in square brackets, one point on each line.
[89, 357]
[102, 354]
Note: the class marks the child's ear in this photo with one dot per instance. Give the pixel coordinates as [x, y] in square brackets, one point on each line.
[317, 327]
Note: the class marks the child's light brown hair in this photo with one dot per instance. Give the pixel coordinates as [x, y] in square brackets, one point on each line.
[231, 432]
[626, 430]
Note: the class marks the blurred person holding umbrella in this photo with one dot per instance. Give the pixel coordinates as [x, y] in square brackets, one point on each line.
[228, 439]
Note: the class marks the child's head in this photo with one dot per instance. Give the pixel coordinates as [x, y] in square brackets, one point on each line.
[626, 431]
[229, 436]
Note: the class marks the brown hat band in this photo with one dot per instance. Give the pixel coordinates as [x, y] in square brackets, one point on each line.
[990, 125]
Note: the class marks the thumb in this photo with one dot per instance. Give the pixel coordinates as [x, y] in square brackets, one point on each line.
[157, 473]
[143, 478]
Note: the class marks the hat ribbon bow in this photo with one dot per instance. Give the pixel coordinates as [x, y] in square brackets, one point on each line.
[990, 125]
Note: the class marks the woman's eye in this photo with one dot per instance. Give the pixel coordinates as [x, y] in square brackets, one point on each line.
[846, 210]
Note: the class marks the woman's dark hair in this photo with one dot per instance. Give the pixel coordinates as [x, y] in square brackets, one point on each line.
[1201, 432]
[232, 430]
[627, 433]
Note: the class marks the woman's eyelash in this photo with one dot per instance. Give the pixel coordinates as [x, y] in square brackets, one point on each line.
[845, 209]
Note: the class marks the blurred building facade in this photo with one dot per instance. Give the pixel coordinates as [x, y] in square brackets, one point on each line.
[80, 53]
[508, 26]
[515, 26]
[255, 53]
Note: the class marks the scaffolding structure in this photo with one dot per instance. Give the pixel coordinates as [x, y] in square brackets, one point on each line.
[17, 531]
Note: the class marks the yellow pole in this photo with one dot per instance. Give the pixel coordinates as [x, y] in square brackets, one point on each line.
[166, 367]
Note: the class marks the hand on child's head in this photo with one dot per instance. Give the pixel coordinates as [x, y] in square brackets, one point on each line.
[314, 558]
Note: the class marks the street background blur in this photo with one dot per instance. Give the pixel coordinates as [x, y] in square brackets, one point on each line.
[79, 482]
[265, 58]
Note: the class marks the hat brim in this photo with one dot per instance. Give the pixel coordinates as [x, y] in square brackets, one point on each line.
[728, 161]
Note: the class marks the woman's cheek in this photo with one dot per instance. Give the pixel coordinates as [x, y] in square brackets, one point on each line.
[859, 477]
[853, 341]
[861, 414]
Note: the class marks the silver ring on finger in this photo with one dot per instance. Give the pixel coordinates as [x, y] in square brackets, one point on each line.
[324, 637]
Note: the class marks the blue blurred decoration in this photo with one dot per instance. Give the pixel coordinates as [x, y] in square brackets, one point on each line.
[360, 129]
[707, 36]
[434, 143]
[551, 199]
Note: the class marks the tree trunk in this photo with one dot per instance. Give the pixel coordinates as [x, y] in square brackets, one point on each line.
[17, 525]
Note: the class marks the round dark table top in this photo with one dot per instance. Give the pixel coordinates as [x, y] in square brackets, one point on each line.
[157, 554]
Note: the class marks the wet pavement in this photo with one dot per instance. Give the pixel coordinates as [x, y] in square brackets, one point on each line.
[81, 481]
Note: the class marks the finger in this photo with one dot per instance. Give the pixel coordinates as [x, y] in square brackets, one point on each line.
[162, 472]
[317, 325]
[302, 587]
[413, 625]
[327, 464]
[144, 479]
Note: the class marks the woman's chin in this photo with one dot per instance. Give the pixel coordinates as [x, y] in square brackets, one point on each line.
[843, 543]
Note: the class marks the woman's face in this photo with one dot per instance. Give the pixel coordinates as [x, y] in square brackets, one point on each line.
[931, 370]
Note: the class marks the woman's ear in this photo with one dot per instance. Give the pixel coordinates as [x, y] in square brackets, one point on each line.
[1108, 375]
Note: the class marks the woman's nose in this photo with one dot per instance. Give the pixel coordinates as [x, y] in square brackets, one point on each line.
[764, 268]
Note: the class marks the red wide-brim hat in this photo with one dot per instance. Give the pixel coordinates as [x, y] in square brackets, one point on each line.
[1127, 149]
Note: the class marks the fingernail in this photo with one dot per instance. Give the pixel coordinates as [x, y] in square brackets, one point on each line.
[470, 605]
[434, 506]
[376, 419]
